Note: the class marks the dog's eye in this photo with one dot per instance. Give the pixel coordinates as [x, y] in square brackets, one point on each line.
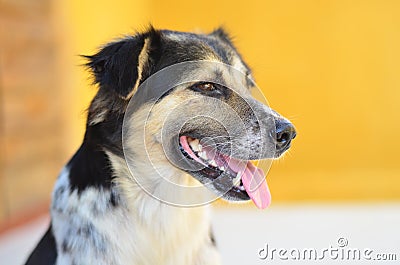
[210, 89]
[206, 87]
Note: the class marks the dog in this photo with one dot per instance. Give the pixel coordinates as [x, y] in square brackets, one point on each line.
[113, 202]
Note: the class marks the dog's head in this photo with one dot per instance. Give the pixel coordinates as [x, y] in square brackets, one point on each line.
[183, 103]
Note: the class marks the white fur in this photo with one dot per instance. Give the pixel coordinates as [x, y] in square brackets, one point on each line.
[141, 230]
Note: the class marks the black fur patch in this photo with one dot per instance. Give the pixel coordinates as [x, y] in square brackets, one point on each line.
[114, 199]
[45, 253]
[212, 238]
[89, 167]
[64, 246]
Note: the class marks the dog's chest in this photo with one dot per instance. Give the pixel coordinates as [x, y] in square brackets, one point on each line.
[89, 229]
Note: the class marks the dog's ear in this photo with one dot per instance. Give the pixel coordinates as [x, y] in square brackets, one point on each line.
[222, 34]
[122, 65]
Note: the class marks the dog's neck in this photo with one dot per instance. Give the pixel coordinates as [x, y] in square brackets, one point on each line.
[118, 213]
[148, 208]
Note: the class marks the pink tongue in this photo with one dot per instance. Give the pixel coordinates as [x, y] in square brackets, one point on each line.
[256, 186]
[254, 182]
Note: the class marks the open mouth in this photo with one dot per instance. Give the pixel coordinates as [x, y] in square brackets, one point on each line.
[237, 179]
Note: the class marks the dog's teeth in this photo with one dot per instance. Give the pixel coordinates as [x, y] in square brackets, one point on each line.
[194, 144]
[203, 155]
[236, 180]
[200, 147]
[241, 188]
[194, 147]
[213, 163]
[222, 168]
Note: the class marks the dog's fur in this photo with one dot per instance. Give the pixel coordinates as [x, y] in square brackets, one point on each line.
[99, 213]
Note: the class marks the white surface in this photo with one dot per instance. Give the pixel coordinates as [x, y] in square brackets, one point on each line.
[240, 233]
[16, 245]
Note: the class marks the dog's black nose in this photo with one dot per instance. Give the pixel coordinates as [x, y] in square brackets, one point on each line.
[285, 132]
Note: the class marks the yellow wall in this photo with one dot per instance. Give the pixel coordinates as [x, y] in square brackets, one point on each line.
[333, 67]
